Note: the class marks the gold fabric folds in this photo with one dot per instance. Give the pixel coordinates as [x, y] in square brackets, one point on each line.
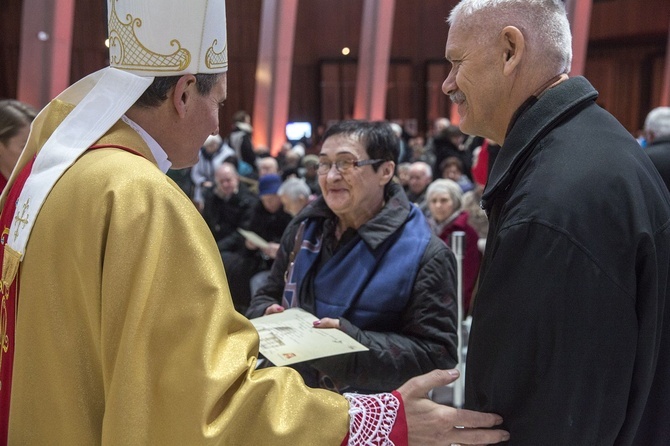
[126, 333]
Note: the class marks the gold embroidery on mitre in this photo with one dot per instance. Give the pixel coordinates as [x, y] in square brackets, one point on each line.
[214, 59]
[126, 51]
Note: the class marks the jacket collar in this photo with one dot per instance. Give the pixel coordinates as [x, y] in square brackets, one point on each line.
[532, 123]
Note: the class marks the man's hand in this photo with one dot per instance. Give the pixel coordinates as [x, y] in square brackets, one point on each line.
[429, 423]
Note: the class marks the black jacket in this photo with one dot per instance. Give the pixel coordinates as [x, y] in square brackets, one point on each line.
[570, 340]
[425, 339]
[659, 152]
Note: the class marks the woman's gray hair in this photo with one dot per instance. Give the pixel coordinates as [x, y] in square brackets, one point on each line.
[450, 187]
[544, 24]
[294, 189]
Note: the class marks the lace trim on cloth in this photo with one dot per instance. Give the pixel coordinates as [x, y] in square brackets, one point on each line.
[371, 418]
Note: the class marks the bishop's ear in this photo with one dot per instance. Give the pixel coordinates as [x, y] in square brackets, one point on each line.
[183, 93]
[513, 46]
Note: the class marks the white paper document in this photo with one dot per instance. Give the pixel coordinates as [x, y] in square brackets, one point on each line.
[290, 337]
[254, 238]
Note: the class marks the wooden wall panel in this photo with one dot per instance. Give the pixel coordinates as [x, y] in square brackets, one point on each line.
[419, 36]
[625, 81]
[438, 104]
[401, 92]
[626, 19]
[243, 19]
[89, 53]
[10, 38]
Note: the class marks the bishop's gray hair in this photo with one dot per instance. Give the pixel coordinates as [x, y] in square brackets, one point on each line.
[544, 25]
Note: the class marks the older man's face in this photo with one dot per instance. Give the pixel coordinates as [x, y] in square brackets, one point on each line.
[226, 181]
[473, 81]
[418, 179]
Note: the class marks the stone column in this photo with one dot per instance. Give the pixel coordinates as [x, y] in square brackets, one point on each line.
[46, 47]
[373, 60]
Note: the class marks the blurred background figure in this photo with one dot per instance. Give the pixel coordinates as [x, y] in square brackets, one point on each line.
[15, 119]
[452, 168]
[291, 163]
[212, 154]
[268, 220]
[402, 172]
[267, 165]
[439, 125]
[294, 194]
[240, 141]
[310, 163]
[420, 176]
[447, 143]
[447, 216]
[405, 154]
[657, 137]
[228, 206]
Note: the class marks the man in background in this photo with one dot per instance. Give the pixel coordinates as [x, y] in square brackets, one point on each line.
[657, 135]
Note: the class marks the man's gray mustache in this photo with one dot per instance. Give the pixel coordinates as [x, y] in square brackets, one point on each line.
[457, 97]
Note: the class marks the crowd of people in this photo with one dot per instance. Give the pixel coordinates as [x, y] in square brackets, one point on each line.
[148, 287]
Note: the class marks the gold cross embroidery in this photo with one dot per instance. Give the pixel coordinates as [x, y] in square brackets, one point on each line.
[22, 219]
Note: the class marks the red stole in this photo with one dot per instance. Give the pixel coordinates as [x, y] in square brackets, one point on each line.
[9, 292]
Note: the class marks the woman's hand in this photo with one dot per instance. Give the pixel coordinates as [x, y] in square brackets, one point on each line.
[274, 308]
[327, 322]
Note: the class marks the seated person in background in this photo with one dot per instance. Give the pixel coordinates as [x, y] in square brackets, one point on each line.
[362, 259]
[446, 217]
[402, 172]
[291, 164]
[657, 134]
[449, 142]
[477, 217]
[267, 165]
[420, 176]
[451, 168]
[227, 207]
[268, 220]
[212, 154]
[294, 194]
[310, 163]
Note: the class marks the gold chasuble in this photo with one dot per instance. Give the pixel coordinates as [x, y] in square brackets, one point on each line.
[125, 330]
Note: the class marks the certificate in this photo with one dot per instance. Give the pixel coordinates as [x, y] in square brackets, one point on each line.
[253, 238]
[290, 337]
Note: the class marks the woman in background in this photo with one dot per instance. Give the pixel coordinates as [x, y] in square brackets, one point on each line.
[15, 119]
[446, 217]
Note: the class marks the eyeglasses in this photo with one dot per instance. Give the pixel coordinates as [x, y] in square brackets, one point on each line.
[343, 165]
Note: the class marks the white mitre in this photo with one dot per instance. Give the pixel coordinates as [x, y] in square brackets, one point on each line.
[147, 38]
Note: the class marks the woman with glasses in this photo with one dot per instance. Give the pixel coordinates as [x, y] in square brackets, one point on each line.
[363, 259]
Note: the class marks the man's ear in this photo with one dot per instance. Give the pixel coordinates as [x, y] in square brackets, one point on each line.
[513, 45]
[183, 93]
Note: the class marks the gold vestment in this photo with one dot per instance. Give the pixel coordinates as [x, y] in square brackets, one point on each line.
[126, 333]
